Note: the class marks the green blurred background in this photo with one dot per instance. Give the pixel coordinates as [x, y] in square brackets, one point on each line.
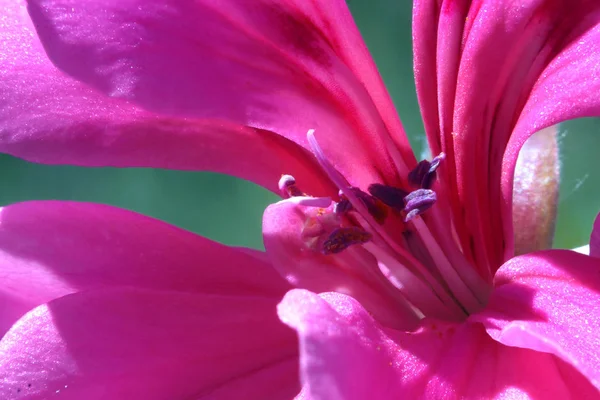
[229, 210]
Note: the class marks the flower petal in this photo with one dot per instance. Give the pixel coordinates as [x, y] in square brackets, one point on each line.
[282, 67]
[595, 238]
[345, 354]
[144, 344]
[505, 70]
[548, 301]
[45, 116]
[565, 88]
[49, 249]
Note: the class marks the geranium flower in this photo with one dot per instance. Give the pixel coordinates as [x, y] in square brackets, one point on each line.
[420, 292]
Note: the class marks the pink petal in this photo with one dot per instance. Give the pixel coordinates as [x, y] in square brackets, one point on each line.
[48, 117]
[504, 70]
[565, 89]
[49, 249]
[595, 238]
[282, 67]
[548, 301]
[345, 354]
[353, 271]
[145, 344]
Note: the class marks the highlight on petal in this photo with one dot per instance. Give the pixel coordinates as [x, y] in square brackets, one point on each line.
[345, 354]
[280, 67]
[50, 248]
[548, 301]
[595, 238]
[144, 344]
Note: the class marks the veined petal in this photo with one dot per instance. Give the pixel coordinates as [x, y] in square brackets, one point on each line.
[49, 249]
[46, 116]
[565, 88]
[145, 344]
[595, 238]
[548, 301]
[502, 68]
[345, 354]
[284, 67]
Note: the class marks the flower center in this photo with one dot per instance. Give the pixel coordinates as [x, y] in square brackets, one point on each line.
[429, 272]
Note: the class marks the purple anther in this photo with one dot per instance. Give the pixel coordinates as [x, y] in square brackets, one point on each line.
[342, 238]
[373, 206]
[423, 175]
[417, 202]
[416, 176]
[388, 195]
[288, 188]
[435, 163]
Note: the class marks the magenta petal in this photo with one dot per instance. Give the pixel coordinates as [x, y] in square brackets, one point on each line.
[489, 74]
[144, 344]
[345, 354]
[45, 116]
[567, 85]
[595, 238]
[49, 249]
[548, 301]
[285, 67]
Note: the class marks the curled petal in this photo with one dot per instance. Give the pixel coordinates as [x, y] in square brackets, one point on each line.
[564, 89]
[503, 70]
[345, 354]
[49, 249]
[144, 344]
[548, 301]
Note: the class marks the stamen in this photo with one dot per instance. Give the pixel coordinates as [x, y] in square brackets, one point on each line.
[342, 238]
[374, 206]
[417, 202]
[388, 195]
[341, 183]
[288, 188]
[423, 175]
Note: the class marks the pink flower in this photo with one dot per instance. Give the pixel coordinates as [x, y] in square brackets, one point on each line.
[420, 293]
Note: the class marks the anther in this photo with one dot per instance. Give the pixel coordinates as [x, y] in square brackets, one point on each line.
[417, 202]
[388, 195]
[423, 175]
[342, 238]
[288, 188]
[374, 206]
